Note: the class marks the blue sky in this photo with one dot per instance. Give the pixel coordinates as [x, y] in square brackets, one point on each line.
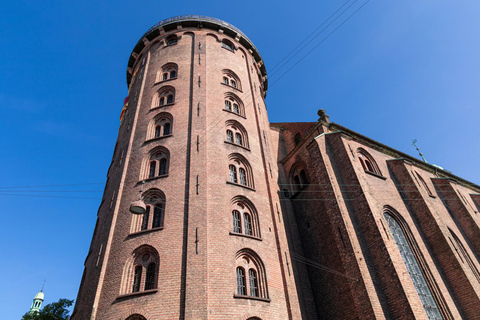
[395, 71]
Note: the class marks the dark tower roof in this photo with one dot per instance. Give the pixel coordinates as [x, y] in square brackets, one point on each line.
[198, 22]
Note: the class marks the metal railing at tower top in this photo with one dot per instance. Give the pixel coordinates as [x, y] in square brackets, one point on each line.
[201, 22]
[196, 18]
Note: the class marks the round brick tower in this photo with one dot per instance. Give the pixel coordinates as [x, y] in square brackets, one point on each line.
[193, 146]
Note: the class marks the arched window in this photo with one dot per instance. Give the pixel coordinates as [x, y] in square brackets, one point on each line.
[136, 279]
[252, 275]
[139, 317]
[160, 126]
[229, 136]
[228, 105]
[236, 221]
[231, 79]
[165, 96]
[233, 173]
[239, 163]
[227, 44]
[424, 184]
[140, 271]
[297, 138]
[248, 224]
[154, 215]
[166, 128]
[241, 281]
[157, 163]
[254, 283]
[243, 176]
[236, 133]
[298, 177]
[234, 104]
[464, 256]
[245, 218]
[368, 163]
[238, 139]
[168, 71]
[153, 169]
[150, 278]
[172, 40]
[404, 245]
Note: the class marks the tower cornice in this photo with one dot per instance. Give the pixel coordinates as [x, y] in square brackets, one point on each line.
[195, 21]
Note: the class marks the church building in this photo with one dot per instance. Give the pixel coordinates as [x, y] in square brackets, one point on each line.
[212, 212]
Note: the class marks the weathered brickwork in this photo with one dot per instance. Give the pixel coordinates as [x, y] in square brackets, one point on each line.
[252, 220]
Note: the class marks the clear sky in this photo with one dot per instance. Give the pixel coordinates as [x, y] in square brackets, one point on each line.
[395, 71]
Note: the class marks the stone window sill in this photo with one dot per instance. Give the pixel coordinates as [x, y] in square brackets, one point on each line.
[237, 114]
[244, 235]
[237, 296]
[376, 175]
[231, 87]
[135, 294]
[158, 138]
[162, 81]
[237, 145]
[141, 232]
[163, 106]
[152, 179]
[240, 185]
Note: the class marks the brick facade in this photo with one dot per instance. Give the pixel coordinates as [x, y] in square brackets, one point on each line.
[304, 220]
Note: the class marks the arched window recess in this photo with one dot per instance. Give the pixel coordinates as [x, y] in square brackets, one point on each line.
[168, 72]
[250, 275]
[236, 134]
[160, 126]
[233, 104]
[230, 78]
[164, 97]
[369, 164]
[154, 216]
[298, 178]
[240, 172]
[417, 268]
[140, 274]
[245, 220]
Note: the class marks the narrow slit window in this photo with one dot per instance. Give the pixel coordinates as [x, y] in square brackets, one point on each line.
[233, 173]
[252, 274]
[166, 129]
[229, 136]
[157, 216]
[243, 176]
[238, 138]
[240, 281]
[236, 221]
[136, 279]
[248, 224]
[150, 277]
[153, 166]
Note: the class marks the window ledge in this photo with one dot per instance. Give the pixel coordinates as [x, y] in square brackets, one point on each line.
[240, 185]
[162, 81]
[231, 87]
[237, 114]
[237, 145]
[135, 294]
[158, 138]
[376, 175]
[138, 233]
[244, 235]
[162, 106]
[151, 179]
[237, 296]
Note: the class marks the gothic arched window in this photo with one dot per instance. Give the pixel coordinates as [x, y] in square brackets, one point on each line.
[231, 79]
[236, 133]
[140, 271]
[368, 163]
[245, 218]
[160, 126]
[154, 215]
[413, 268]
[252, 283]
[239, 164]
